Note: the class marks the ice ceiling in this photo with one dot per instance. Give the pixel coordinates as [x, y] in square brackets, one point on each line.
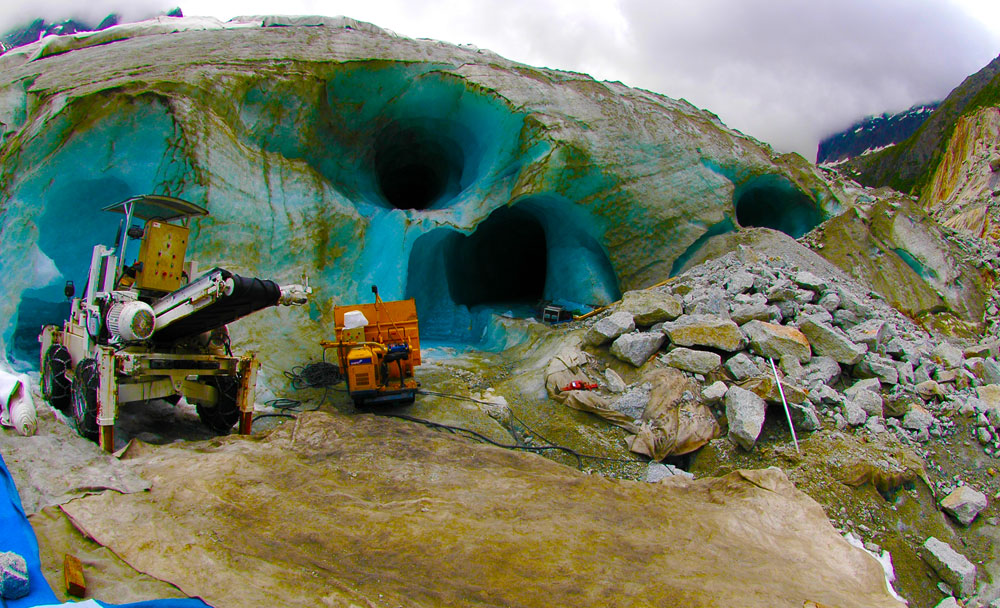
[475, 191]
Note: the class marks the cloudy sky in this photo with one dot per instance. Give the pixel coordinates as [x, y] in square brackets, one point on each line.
[787, 72]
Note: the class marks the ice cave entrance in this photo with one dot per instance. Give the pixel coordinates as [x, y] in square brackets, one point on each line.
[774, 202]
[516, 261]
[420, 163]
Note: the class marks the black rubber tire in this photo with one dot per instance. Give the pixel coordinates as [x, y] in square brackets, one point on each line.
[221, 417]
[83, 396]
[55, 384]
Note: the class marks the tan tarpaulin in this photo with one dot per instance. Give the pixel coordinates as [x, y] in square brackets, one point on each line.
[565, 368]
[331, 510]
[673, 423]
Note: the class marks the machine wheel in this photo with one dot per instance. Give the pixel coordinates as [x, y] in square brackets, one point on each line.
[55, 384]
[83, 395]
[221, 417]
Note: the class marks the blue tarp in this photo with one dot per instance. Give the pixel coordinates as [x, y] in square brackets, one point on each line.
[17, 535]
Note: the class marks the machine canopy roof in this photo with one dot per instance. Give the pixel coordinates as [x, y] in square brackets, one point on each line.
[157, 207]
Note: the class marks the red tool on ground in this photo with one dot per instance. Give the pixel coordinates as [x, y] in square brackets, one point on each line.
[580, 385]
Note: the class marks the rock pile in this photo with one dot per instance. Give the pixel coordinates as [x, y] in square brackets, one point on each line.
[845, 357]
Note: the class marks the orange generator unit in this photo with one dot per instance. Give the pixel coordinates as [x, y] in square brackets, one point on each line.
[378, 345]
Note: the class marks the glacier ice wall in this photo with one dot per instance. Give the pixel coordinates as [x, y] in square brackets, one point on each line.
[471, 183]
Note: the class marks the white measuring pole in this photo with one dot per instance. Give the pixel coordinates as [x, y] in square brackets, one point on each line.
[788, 414]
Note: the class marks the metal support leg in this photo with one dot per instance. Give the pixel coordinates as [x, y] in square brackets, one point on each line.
[247, 369]
[107, 398]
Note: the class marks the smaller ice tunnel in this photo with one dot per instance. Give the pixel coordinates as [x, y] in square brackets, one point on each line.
[515, 261]
[774, 202]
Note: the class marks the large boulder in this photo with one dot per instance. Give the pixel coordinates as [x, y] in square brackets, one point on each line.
[777, 341]
[692, 360]
[832, 342]
[742, 367]
[745, 412]
[609, 328]
[648, 306]
[953, 567]
[706, 331]
[964, 504]
[637, 347]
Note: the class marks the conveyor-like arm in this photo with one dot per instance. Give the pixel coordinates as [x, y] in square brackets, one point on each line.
[217, 298]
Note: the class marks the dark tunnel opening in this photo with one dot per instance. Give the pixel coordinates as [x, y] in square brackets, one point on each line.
[775, 203]
[517, 260]
[503, 261]
[418, 164]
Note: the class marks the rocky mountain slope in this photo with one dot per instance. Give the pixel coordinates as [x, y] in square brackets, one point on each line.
[952, 162]
[872, 134]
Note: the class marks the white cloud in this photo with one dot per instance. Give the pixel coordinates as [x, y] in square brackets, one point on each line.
[785, 71]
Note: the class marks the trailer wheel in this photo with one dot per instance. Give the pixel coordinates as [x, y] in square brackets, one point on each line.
[221, 417]
[55, 384]
[83, 395]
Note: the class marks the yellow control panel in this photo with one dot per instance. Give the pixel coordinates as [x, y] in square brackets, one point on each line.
[161, 257]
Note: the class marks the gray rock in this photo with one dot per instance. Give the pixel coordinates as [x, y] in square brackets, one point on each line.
[868, 401]
[874, 425]
[948, 602]
[853, 414]
[982, 351]
[845, 319]
[14, 581]
[924, 371]
[694, 361]
[743, 313]
[633, 403]
[816, 312]
[637, 347]
[609, 328]
[745, 412]
[789, 309]
[807, 280]
[832, 342]
[825, 395]
[714, 392]
[991, 371]
[777, 341]
[929, 389]
[877, 366]
[742, 367]
[953, 568]
[740, 281]
[710, 301]
[895, 348]
[948, 355]
[648, 306]
[830, 301]
[657, 472]
[904, 371]
[614, 381]
[804, 416]
[918, 419]
[705, 331]
[870, 333]
[868, 384]
[823, 369]
[964, 504]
